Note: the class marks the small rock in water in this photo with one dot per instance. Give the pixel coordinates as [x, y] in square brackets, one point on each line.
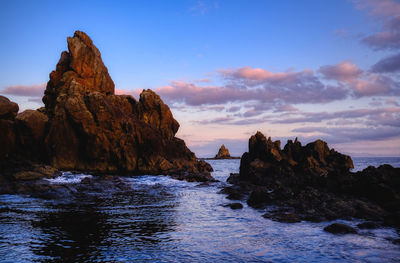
[234, 205]
[338, 228]
[368, 225]
[283, 217]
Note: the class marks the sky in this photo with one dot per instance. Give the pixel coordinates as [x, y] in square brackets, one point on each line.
[309, 69]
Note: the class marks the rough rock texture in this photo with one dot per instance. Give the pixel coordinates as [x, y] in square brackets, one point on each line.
[85, 126]
[223, 153]
[314, 183]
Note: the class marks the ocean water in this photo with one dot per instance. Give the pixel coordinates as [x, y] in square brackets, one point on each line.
[165, 220]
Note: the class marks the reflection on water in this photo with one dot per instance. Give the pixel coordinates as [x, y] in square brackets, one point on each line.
[164, 220]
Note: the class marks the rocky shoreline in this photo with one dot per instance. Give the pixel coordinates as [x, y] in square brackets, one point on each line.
[314, 183]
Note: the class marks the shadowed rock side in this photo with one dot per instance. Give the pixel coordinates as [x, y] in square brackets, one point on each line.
[314, 183]
[85, 126]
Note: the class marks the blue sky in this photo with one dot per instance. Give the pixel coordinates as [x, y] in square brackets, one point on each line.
[229, 68]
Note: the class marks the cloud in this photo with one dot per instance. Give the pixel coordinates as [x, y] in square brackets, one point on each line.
[36, 90]
[351, 134]
[345, 71]
[372, 115]
[135, 93]
[234, 109]
[202, 7]
[219, 120]
[261, 91]
[379, 7]
[205, 80]
[388, 38]
[285, 108]
[387, 65]
[392, 101]
[375, 84]
[247, 84]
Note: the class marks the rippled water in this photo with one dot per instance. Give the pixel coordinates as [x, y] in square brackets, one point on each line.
[166, 220]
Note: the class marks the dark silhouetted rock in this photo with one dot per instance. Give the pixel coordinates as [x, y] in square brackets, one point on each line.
[31, 131]
[234, 206]
[258, 196]
[283, 217]
[338, 228]
[223, 153]
[368, 225]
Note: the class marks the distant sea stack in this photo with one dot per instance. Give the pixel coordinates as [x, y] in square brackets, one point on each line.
[223, 153]
[84, 126]
[314, 183]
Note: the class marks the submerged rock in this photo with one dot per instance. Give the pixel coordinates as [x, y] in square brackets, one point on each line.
[338, 228]
[85, 126]
[234, 206]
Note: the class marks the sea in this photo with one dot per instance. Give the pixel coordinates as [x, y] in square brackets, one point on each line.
[166, 220]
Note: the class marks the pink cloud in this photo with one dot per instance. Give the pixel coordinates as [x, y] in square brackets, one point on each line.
[252, 73]
[135, 93]
[285, 108]
[36, 90]
[345, 71]
[380, 7]
[375, 84]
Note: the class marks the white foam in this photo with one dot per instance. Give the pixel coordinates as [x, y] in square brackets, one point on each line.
[69, 178]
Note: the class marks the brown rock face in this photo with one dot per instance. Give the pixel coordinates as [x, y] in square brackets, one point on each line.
[92, 129]
[8, 109]
[223, 153]
[81, 70]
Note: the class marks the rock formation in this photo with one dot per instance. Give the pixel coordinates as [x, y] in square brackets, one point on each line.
[85, 126]
[314, 183]
[266, 160]
[223, 153]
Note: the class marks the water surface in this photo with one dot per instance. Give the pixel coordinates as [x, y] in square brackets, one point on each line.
[165, 220]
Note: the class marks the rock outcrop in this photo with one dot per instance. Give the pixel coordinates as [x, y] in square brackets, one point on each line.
[223, 153]
[314, 183]
[85, 126]
[265, 161]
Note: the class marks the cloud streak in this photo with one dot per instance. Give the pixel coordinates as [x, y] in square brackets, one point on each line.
[25, 90]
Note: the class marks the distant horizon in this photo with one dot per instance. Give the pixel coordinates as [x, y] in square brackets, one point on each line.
[310, 69]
